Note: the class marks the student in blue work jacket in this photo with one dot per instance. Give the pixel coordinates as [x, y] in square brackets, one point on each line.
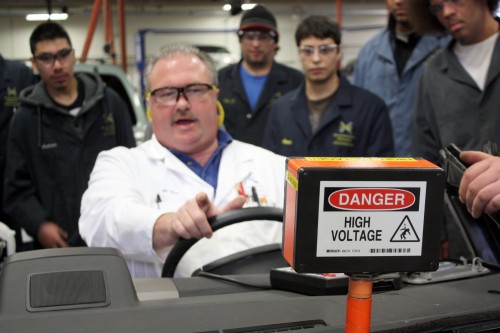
[326, 115]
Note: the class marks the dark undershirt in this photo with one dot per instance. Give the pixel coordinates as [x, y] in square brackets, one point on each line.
[404, 46]
[77, 104]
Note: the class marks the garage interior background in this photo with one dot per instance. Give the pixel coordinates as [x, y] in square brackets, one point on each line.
[187, 21]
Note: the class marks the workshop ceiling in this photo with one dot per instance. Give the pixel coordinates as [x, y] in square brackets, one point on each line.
[79, 6]
[86, 3]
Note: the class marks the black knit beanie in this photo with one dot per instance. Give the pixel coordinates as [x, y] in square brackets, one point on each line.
[259, 18]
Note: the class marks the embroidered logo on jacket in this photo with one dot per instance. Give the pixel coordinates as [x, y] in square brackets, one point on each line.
[344, 135]
[228, 101]
[108, 126]
[275, 97]
[45, 146]
[11, 99]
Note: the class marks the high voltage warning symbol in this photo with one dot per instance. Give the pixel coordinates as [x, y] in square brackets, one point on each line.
[405, 232]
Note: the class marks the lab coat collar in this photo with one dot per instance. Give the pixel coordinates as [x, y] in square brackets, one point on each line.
[155, 151]
[235, 159]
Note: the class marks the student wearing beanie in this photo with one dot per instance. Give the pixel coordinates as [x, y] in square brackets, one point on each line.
[248, 88]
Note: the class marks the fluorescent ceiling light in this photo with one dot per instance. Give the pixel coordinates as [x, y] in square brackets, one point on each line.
[46, 17]
[245, 6]
[248, 6]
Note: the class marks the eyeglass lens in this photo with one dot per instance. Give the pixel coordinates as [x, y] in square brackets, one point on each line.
[261, 36]
[437, 8]
[170, 95]
[48, 59]
[323, 50]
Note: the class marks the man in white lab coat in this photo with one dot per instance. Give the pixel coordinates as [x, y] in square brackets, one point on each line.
[142, 200]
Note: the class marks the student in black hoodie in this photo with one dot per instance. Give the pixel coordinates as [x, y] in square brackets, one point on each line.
[14, 77]
[63, 123]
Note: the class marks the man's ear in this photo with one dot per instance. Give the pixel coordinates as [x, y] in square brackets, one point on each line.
[339, 54]
[34, 67]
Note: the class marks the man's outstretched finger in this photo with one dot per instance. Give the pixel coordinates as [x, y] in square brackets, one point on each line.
[236, 203]
[471, 157]
[201, 220]
[203, 201]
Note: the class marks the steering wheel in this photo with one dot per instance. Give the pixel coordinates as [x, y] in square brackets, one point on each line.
[217, 222]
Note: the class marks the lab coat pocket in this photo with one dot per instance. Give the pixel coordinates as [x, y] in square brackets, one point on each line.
[168, 200]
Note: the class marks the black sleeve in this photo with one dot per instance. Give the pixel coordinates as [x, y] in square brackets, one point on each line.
[381, 137]
[124, 129]
[426, 142]
[271, 133]
[20, 201]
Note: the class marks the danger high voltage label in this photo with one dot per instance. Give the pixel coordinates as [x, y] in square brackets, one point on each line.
[370, 218]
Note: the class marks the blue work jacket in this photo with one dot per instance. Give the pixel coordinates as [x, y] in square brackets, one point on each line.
[356, 124]
[240, 121]
[376, 71]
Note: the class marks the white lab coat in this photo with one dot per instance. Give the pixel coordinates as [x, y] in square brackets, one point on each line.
[121, 203]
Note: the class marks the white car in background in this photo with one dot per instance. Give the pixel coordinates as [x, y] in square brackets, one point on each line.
[115, 77]
[220, 55]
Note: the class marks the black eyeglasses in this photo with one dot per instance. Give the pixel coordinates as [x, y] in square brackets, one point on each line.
[169, 96]
[48, 59]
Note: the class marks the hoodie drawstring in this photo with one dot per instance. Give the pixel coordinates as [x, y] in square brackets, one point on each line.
[39, 113]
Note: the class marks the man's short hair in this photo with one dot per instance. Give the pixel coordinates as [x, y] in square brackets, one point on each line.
[492, 5]
[47, 31]
[183, 49]
[424, 22]
[317, 26]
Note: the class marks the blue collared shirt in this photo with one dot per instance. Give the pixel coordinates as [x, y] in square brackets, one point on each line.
[210, 171]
